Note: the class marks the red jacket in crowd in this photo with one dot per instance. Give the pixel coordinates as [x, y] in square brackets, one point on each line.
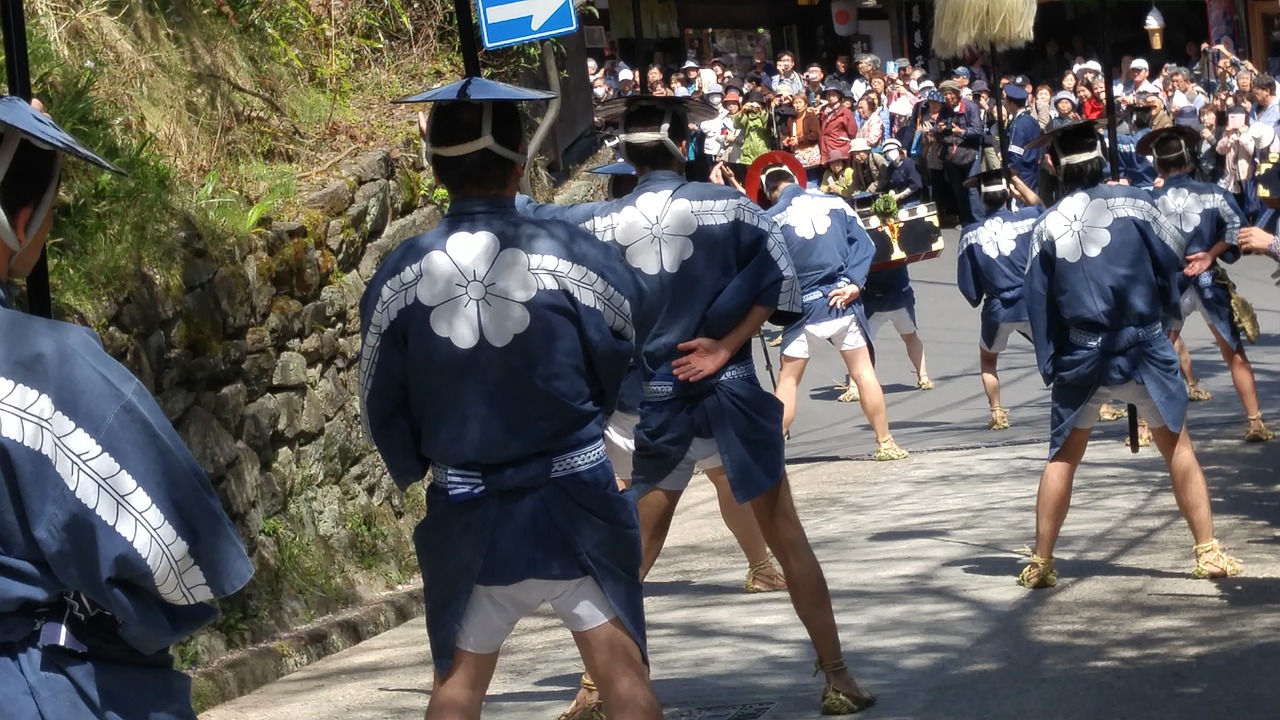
[838, 128]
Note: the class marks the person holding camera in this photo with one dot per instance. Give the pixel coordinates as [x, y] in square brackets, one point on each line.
[753, 126]
[959, 132]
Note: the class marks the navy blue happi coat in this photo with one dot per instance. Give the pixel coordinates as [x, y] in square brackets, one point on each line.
[829, 248]
[112, 540]
[1101, 285]
[494, 346]
[707, 256]
[991, 264]
[1206, 215]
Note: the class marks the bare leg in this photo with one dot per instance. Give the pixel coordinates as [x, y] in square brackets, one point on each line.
[1194, 393]
[611, 655]
[460, 694]
[739, 519]
[1054, 497]
[1241, 376]
[657, 508]
[776, 513]
[1189, 487]
[790, 373]
[915, 351]
[990, 376]
[863, 374]
[762, 575]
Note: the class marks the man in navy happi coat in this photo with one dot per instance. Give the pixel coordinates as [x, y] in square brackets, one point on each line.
[716, 268]
[1209, 219]
[991, 265]
[112, 540]
[832, 254]
[1102, 281]
[493, 348]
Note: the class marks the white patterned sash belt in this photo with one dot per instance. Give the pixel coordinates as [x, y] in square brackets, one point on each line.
[467, 484]
[664, 389]
[819, 294]
[1087, 339]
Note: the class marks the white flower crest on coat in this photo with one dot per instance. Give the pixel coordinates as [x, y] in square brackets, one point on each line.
[1182, 207]
[1078, 226]
[656, 232]
[476, 291]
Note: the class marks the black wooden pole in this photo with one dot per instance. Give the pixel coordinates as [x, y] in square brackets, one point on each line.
[641, 79]
[1113, 158]
[467, 38]
[39, 299]
[1108, 70]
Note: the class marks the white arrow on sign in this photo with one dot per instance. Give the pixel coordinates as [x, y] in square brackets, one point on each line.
[538, 11]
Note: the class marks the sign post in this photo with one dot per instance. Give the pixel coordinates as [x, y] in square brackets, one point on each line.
[504, 23]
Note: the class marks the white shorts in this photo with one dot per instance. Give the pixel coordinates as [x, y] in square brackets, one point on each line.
[843, 333]
[620, 445]
[1130, 392]
[1191, 303]
[494, 610]
[902, 322]
[1006, 330]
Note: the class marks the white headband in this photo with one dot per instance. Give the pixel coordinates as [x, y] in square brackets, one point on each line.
[484, 142]
[1000, 186]
[663, 135]
[8, 149]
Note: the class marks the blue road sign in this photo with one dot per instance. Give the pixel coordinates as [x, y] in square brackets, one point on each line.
[510, 22]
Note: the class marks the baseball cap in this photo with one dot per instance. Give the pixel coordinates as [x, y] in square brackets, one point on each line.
[1139, 64]
[1015, 91]
[626, 74]
[961, 71]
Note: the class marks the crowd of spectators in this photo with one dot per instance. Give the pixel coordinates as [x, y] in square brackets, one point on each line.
[868, 125]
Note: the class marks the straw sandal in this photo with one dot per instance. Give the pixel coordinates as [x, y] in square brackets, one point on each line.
[836, 701]
[999, 418]
[1212, 562]
[591, 708]
[889, 450]
[1107, 413]
[1195, 393]
[764, 577]
[924, 383]
[1038, 573]
[1260, 433]
[850, 391]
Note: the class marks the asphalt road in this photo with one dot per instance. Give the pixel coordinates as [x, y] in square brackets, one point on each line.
[954, 414]
[921, 557]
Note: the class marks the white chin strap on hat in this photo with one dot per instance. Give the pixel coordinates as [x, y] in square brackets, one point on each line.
[1182, 154]
[663, 135]
[994, 187]
[1077, 158]
[484, 142]
[9, 148]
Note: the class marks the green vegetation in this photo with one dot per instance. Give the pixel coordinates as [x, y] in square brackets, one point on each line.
[218, 109]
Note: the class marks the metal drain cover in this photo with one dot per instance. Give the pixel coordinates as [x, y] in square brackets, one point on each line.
[750, 711]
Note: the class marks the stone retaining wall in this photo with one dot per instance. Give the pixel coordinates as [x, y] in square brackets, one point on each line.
[255, 360]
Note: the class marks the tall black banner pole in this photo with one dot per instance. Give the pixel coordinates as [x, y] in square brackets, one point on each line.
[1108, 68]
[466, 37]
[1113, 158]
[39, 300]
